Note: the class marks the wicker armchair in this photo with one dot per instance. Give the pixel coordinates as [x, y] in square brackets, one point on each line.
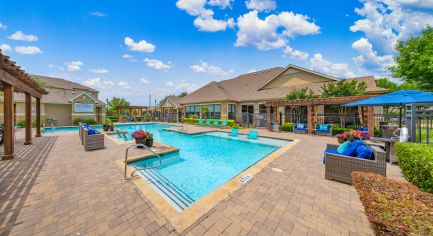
[340, 167]
[94, 141]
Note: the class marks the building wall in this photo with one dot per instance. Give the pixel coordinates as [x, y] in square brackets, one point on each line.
[83, 115]
[20, 111]
[59, 112]
[294, 77]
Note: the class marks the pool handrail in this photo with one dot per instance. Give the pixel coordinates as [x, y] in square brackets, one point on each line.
[142, 168]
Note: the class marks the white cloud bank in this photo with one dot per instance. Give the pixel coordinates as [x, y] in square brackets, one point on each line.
[157, 64]
[261, 5]
[99, 70]
[5, 47]
[140, 46]
[27, 50]
[339, 70]
[20, 36]
[204, 67]
[74, 66]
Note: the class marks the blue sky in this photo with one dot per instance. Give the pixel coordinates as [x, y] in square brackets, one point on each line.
[133, 48]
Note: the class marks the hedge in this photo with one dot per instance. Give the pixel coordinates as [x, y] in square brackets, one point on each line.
[287, 127]
[393, 207]
[416, 163]
[87, 121]
[22, 123]
[112, 118]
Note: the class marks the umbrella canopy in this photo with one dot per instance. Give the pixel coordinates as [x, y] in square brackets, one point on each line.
[397, 98]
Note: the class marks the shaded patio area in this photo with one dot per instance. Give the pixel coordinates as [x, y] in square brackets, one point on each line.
[61, 189]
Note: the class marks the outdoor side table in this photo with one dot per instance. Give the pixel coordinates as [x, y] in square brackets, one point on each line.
[389, 146]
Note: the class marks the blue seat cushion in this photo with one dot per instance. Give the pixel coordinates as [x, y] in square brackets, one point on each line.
[365, 152]
[300, 126]
[351, 151]
[328, 150]
[323, 128]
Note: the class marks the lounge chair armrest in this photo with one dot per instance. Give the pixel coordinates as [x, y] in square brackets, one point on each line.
[332, 146]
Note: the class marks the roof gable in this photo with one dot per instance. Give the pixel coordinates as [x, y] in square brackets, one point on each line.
[294, 75]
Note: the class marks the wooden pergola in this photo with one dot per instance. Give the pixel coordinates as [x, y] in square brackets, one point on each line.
[130, 109]
[14, 79]
[312, 104]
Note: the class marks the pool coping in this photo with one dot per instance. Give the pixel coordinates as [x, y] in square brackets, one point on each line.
[183, 220]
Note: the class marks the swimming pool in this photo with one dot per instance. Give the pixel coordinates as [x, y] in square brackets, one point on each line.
[204, 162]
[66, 129]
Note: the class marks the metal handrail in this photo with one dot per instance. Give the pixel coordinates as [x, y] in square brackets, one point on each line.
[143, 168]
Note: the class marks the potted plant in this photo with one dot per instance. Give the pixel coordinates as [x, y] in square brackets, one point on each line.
[149, 140]
[341, 138]
[108, 125]
[140, 136]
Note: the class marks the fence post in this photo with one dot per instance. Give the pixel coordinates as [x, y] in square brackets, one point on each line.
[310, 119]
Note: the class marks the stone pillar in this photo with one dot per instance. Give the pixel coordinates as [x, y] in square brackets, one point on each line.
[310, 121]
[28, 116]
[8, 94]
[268, 119]
[283, 117]
[370, 121]
[38, 117]
[224, 110]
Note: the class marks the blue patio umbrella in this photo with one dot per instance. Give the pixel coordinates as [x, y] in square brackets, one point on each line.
[398, 98]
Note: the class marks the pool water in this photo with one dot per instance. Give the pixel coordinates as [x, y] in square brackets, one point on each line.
[204, 162]
[66, 129]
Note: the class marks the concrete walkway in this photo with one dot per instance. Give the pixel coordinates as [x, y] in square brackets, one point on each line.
[54, 187]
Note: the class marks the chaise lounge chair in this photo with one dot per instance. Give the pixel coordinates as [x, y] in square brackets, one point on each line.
[253, 134]
[215, 122]
[300, 128]
[207, 123]
[200, 122]
[224, 123]
[234, 132]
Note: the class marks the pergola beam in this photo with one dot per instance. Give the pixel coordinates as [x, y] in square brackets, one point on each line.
[18, 84]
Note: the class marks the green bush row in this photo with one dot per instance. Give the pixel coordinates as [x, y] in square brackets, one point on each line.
[287, 127]
[87, 121]
[22, 123]
[416, 163]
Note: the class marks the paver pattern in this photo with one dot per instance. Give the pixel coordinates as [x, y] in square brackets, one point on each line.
[54, 187]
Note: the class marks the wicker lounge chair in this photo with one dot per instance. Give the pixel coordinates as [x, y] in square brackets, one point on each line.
[340, 167]
[93, 141]
[300, 128]
[323, 129]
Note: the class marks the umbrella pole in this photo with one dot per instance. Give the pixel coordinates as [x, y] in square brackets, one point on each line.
[400, 118]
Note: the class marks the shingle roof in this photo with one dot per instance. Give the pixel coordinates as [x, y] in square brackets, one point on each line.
[175, 100]
[247, 88]
[63, 84]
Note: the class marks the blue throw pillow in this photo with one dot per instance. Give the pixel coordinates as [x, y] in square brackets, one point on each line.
[344, 146]
[351, 151]
[365, 152]
[300, 126]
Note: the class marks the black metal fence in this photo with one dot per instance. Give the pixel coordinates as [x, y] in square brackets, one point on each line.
[424, 126]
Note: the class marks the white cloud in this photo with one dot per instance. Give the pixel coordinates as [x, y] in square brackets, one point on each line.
[417, 3]
[129, 57]
[19, 35]
[27, 50]
[209, 24]
[204, 67]
[261, 5]
[169, 84]
[290, 52]
[340, 70]
[386, 21]
[157, 64]
[98, 14]
[368, 59]
[124, 85]
[2, 26]
[251, 70]
[74, 66]
[266, 34]
[98, 83]
[223, 4]
[141, 46]
[144, 81]
[4, 47]
[204, 20]
[185, 86]
[99, 70]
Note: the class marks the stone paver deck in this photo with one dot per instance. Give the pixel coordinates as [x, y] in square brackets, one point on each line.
[54, 187]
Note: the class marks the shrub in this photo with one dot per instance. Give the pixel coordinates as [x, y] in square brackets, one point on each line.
[416, 163]
[339, 130]
[21, 123]
[287, 127]
[87, 121]
[112, 118]
[393, 207]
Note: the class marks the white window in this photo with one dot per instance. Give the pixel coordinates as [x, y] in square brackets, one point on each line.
[84, 107]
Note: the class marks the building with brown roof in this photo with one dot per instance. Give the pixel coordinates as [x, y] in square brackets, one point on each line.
[171, 108]
[248, 93]
[65, 102]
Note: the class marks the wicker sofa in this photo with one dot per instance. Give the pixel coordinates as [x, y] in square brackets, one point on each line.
[91, 142]
[340, 167]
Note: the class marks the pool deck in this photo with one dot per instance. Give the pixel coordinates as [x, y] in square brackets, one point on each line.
[54, 187]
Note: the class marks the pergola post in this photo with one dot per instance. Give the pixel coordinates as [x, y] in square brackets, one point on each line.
[310, 119]
[38, 117]
[8, 95]
[268, 117]
[28, 118]
[370, 121]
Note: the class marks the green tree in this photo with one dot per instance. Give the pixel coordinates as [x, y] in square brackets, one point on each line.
[183, 94]
[344, 88]
[204, 110]
[414, 61]
[114, 103]
[302, 93]
[386, 84]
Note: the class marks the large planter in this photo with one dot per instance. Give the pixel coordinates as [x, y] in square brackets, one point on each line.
[105, 127]
[140, 141]
[149, 142]
[341, 140]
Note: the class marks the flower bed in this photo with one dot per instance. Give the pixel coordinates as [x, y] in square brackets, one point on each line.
[393, 207]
